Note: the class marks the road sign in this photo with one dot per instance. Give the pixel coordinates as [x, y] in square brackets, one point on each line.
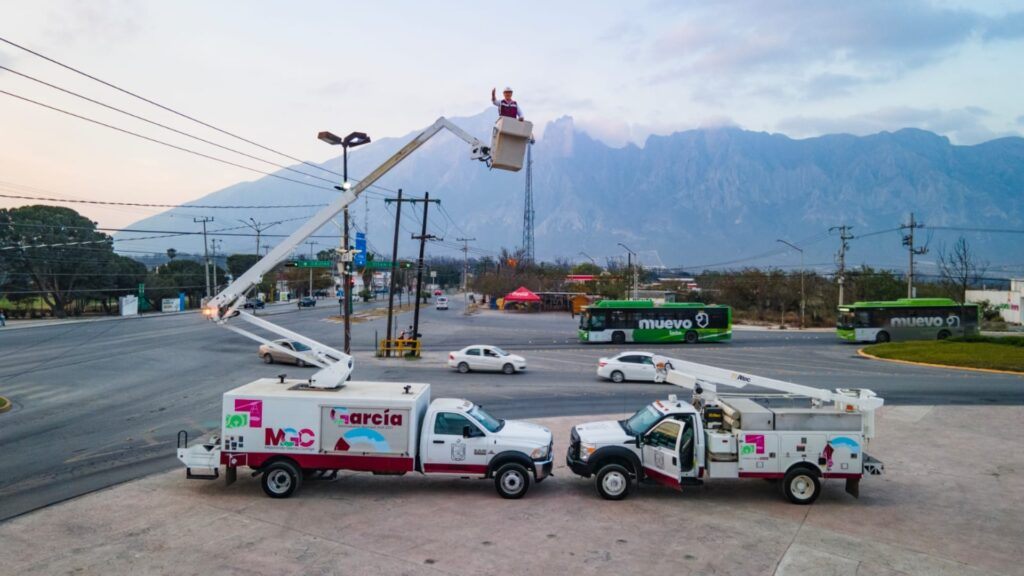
[386, 264]
[310, 263]
[360, 259]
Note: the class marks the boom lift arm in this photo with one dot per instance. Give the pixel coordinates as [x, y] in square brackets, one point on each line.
[335, 365]
[690, 375]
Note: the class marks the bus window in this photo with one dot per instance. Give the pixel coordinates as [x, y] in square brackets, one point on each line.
[597, 321]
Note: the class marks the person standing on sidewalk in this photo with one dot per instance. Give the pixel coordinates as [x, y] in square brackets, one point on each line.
[3, 319]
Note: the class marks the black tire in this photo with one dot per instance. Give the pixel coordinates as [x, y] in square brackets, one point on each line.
[691, 337]
[943, 334]
[512, 481]
[463, 368]
[882, 337]
[618, 338]
[613, 482]
[508, 369]
[281, 479]
[618, 377]
[268, 358]
[801, 486]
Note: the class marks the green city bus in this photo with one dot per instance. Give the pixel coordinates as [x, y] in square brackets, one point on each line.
[907, 319]
[621, 321]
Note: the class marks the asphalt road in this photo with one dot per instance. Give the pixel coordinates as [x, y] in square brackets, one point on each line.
[98, 403]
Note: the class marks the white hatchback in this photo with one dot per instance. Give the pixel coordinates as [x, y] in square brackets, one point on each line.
[485, 358]
[441, 303]
[637, 366]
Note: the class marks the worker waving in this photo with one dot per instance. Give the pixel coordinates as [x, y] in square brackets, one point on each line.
[507, 107]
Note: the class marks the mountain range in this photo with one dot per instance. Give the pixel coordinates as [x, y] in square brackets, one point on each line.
[696, 199]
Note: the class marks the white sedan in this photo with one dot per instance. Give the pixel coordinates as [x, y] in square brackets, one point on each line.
[480, 357]
[627, 366]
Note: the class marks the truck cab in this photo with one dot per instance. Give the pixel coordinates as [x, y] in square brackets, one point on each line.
[663, 442]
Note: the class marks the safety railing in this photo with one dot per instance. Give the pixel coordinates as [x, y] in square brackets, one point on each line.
[399, 347]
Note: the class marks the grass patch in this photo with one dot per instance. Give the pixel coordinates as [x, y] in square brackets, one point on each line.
[993, 353]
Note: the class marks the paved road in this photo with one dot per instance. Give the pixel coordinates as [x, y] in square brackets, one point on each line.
[97, 403]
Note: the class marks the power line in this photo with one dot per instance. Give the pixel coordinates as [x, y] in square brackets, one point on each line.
[145, 205]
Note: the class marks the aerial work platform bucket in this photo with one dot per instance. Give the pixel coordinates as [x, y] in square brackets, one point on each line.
[508, 143]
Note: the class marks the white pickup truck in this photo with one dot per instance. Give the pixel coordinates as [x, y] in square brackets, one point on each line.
[285, 430]
[679, 444]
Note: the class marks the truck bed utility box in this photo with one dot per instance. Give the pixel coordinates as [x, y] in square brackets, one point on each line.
[817, 419]
[508, 143]
[746, 414]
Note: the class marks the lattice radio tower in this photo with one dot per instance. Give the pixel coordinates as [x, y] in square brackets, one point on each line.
[528, 248]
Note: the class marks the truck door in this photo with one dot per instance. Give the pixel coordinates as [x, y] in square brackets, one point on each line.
[660, 452]
[450, 452]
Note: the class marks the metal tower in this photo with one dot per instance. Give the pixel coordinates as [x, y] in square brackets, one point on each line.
[528, 248]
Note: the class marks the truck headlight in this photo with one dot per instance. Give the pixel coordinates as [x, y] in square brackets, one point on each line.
[586, 450]
[539, 453]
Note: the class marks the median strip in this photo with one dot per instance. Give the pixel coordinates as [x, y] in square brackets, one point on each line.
[957, 355]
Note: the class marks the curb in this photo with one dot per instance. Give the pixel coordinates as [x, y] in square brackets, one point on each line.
[863, 354]
[5, 405]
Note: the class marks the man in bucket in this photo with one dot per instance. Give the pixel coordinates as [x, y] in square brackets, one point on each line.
[507, 107]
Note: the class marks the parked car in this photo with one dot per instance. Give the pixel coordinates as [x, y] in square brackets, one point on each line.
[485, 358]
[307, 302]
[638, 366]
[441, 303]
[271, 356]
[438, 292]
[255, 304]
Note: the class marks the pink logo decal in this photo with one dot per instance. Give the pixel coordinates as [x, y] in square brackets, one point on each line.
[757, 440]
[254, 408]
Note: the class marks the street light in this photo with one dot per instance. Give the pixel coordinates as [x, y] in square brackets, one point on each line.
[351, 141]
[629, 265]
[802, 301]
[590, 257]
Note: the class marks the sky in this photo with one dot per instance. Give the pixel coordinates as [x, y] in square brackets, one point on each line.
[277, 73]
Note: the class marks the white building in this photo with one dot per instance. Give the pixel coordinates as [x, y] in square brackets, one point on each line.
[1009, 302]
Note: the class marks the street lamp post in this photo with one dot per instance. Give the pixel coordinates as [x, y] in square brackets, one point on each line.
[802, 300]
[630, 265]
[591, 258]
[351, 141]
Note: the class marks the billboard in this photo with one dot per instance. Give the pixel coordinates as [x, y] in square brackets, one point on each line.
[360, 257]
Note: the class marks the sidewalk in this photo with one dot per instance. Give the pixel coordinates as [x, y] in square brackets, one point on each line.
[952, 503]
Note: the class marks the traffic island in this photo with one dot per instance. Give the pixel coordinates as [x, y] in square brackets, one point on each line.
[5, 405]
[988, 354]
[949, 503]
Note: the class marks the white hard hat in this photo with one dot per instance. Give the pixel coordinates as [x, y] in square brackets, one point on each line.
[507, 89]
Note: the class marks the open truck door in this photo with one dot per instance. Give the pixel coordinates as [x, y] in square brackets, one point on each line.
[660, 453]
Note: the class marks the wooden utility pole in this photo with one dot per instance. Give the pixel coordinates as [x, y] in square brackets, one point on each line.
[843, 247]
[908, 241]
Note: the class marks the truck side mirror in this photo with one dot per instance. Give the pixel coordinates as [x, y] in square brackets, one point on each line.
[467, 432]
[637, 438]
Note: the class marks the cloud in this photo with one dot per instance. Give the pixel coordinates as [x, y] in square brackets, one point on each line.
[961, 125]
[1020, 120]
[823, 49]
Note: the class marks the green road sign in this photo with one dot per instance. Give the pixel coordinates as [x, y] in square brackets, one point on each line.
[311, 264]
[385, 265]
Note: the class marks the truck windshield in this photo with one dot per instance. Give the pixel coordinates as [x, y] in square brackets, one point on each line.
[642, 421]
[486, 420]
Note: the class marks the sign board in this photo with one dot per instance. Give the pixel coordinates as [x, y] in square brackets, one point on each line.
[360, 259]
[170, 305]
[129, 305]
[364, 431]
[386, 265]
[433, 273]
[310, 264]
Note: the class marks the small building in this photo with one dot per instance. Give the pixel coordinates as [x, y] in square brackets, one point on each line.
[1009, 302]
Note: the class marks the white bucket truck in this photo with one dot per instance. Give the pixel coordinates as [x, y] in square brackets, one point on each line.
[285, 429]
[679, 444]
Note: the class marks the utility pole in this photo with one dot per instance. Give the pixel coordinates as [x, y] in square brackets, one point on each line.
[394, 270]
[843, 247]
[258, 227]
[802, 300]
[423, 237]
[206, 251]
[465, 267]
[214, 244]
[908, 241]
[528, 247]
[312, 257]
[630, 269]
[346, 278]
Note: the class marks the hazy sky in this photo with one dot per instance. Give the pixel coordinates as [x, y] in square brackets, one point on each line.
[278, 72]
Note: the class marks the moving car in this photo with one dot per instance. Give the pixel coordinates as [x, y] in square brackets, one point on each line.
[441, 303]
[485, 358]
[637, 366]
[255, 304]
[307, 302]
[270, 355]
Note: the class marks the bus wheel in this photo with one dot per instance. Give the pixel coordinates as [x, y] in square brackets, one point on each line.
[618, 338]
[882, 336]
[943, 334]
[691, 337]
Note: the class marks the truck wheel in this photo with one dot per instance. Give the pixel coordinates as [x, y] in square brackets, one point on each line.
[617, 377]
[268, 359]
[882, 336]
[281, 479]
[801, 486]
[463, 367]
[613, 482]
[943, 334]
[618, 338]
[692, 337]
[508, 369]
[512, 481]
[300, 363]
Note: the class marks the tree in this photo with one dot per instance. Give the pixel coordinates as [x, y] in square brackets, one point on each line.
[238, 264]
[585, 268]
[171, 253]
[960, 269]
[174, 277]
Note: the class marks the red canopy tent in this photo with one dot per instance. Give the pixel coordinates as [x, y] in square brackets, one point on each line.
[522, 294]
